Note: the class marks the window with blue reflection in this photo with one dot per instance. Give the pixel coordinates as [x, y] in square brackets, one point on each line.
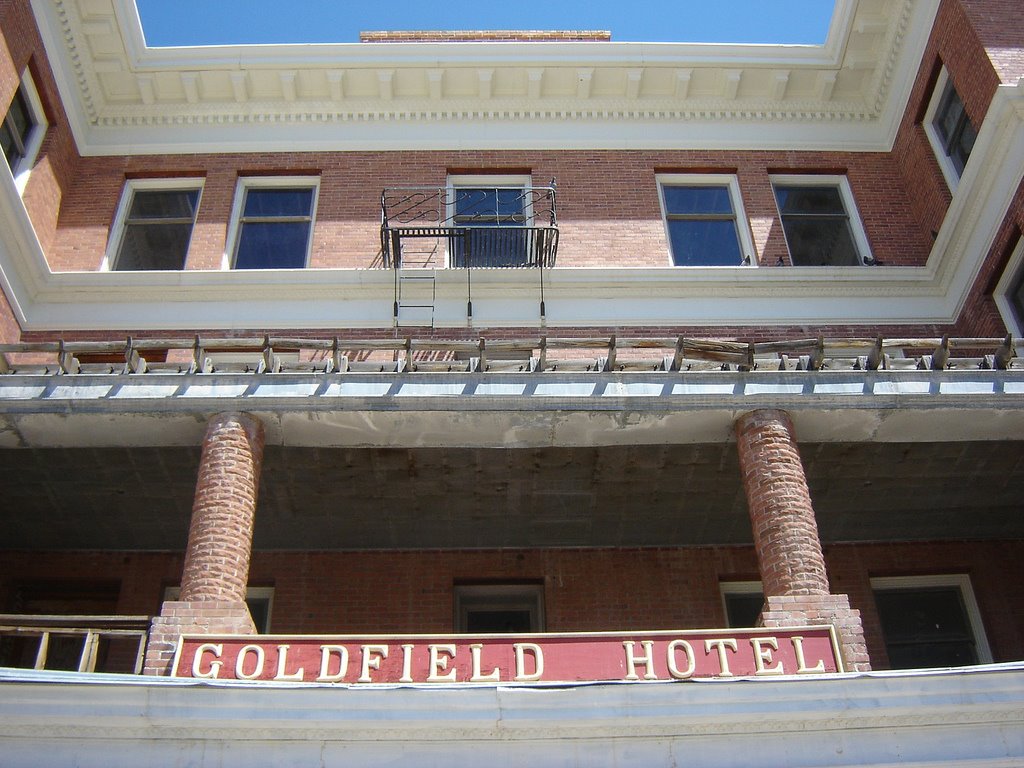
[497, 216]
[274, 228]
[702, 226]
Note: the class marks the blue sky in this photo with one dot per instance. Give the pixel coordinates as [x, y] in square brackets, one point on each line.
[222, 22]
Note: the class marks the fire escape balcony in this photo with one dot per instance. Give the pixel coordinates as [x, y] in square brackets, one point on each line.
[468, 227]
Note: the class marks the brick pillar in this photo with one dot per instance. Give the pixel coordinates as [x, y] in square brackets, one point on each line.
[216, 568]
[786, 535]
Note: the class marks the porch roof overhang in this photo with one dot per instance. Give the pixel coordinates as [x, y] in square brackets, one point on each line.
[575, 459]
[961, 717]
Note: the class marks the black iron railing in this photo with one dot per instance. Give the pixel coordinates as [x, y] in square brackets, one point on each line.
[469, 227]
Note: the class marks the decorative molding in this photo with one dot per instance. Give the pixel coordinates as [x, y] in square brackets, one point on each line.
[849, 79]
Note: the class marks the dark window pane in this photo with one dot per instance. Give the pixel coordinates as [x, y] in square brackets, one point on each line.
[1016, 298]
[153, 246]
[925, 627]
[711, 199]
[743, 609]
[20, 116]
[272, 245]
[10, 146]
[704, 243]
[964, 145]
[810, 200]
[949, 115]
[820, 242]
[278, 202]
[494, 247]
[498, 621]
[259, 609]
[164, 204]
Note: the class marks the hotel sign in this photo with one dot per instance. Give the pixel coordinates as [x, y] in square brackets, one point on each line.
[543, 658]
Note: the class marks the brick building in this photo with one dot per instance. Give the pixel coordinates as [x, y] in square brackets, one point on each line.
[439, 336]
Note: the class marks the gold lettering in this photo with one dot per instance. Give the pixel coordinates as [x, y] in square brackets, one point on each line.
[646, 660]
[244, 651]
[282, 662]
[217, 650]
[326, 652]
[437, 663]
[801, 663]
[538, 661]
[372, 656]
[763, 656]
[691, 662]
[478, 677]
[406, 664]
[723, 661]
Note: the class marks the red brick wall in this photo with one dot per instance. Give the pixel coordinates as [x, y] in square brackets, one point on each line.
[585, 590]
[608, 208]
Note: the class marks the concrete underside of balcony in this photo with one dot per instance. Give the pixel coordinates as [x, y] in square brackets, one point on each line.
[481, 461]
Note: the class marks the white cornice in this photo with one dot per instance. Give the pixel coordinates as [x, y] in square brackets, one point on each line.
[123, 97]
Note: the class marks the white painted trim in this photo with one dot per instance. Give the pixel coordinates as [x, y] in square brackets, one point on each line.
[35, 136]
[242, 186]
[841, 183]
[866, 120]
[727, 180]
[959, 580]
[1011, 275]
[964, 718]
[949, 171]
[131, 186]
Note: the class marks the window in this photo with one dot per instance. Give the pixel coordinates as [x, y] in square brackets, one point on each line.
[499, 608]
[272, 223]
[949, 129]
[705, 220]
[499, 207]
[820, 221]
[260, 601]
[153, 225]
[21, 133]
[1009, 292]
[743, 602]
[930, 621]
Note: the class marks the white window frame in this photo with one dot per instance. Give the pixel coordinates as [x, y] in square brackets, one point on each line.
[35, 138]
[946, 165]
[131, 186]
[246, 183]
[469, 597]
[172, 594]
[959, 580]
[840, 182]
[727, 180]
[485, 181]
[1014, 272]
[726, 588]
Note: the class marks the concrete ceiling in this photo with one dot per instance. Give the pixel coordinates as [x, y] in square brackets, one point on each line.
[370, 498]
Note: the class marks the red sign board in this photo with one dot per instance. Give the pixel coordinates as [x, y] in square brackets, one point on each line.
[510, 658]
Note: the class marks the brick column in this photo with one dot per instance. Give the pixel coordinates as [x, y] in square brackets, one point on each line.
[786, 538]
[216, 568]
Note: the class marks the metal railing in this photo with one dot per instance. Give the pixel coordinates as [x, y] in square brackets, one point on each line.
[59, 639]
[334, 355]
[469, 227]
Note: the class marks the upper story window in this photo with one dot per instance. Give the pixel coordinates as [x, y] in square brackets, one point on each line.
[1009, 292]
[153, 225]
[820, 221]
[272, 223]
[705, 220]
[949, 129]
[743, 602]
[930, 621]
[499, 608]
[500, 208]
[21, 133]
